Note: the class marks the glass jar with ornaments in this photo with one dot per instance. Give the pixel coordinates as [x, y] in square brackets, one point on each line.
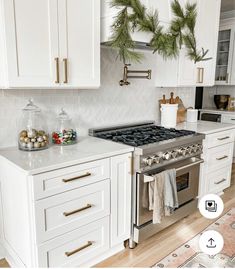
[32, 134]
[65, 133]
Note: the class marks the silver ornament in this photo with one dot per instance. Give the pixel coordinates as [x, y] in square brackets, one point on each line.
[37, 145]
[40, 139]
[32, 133]
[30, 145]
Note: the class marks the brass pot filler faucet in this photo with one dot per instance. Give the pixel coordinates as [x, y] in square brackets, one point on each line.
[125, 81]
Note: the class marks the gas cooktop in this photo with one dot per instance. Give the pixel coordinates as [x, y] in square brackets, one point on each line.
[138, 135]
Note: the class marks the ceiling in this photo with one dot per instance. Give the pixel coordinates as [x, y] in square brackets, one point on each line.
[227, 5]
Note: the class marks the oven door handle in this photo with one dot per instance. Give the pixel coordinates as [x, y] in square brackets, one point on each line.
[189, 165]
[149, 178]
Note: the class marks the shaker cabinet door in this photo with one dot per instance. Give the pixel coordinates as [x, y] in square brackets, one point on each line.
[120, 198]
[31, 41]
[207, 37]
[79, 41]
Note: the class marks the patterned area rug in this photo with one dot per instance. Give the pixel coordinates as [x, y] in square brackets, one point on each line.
[189, 254]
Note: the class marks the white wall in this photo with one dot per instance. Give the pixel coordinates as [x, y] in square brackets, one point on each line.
[111, 104]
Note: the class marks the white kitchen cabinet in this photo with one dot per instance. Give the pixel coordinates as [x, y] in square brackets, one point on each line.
[50, 44]
[225, 66]
[215, 172]
[121, 198]
[183, 71]
[79, 39]
[75, 215]
[29, 43]
[1, 225]
[207, 36]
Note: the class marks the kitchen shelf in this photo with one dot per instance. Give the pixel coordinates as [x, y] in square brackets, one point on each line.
[223, 51]
[222, 65]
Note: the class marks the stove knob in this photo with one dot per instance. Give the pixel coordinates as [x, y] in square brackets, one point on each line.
[174, 154]
[148, 161]
[166, 156]
[182, 151]
[156, 159]
[189, 150]
[195, 148]
[200, 147]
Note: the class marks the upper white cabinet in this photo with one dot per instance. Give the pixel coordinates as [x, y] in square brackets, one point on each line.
[207, 35]
[183, 71]
[50, 43]
[225, 65]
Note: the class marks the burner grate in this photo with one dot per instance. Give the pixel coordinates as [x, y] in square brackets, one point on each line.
[144, 135]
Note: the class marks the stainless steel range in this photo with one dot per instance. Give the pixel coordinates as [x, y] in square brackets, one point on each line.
[158, 149]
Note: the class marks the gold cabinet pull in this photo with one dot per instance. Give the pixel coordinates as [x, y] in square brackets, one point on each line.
[57, 64]
[222, 158]
[202, 71]
[131, 165]
[200, 75]
[223, 138]
[66, 214]
[70, 253]
[65, 60]
[75, 178]
[221, 181]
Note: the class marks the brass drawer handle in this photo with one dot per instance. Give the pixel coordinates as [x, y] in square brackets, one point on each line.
[75, 178]
[222, 158]
[65, 60]
[223, 138]
[66, 214]
[70, 253]
[221, 181]
[131, 166]
[57, 81]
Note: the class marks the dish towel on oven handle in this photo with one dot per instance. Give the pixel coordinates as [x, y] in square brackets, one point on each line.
[163, 197]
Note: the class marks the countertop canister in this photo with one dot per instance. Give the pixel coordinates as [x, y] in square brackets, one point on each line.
[169, 115]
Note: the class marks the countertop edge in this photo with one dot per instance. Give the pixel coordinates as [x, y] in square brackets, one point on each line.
[95, 157]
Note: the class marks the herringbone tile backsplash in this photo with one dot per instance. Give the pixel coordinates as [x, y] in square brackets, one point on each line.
[109, 105]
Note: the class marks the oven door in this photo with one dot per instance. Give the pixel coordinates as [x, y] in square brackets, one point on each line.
[187, 180]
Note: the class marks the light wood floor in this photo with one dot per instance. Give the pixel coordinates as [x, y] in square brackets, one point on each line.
[157, 247]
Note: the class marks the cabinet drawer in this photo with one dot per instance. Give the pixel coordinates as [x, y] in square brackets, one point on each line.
[220, 157]
[228, 119]
[219, 180]
[220, 138]
[61, 180]
[77, 247]
[67, 211]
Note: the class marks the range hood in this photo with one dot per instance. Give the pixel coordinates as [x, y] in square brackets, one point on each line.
[107, 18]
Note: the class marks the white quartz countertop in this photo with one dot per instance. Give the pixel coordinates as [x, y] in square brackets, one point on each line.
[217, 111]
[206, 127]
[86, 150]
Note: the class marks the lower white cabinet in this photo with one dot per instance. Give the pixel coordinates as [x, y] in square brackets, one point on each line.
[121, 199]
[215, 173]
[77, 247]
[73, 216]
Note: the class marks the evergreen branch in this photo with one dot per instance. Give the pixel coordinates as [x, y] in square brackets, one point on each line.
[134, 17]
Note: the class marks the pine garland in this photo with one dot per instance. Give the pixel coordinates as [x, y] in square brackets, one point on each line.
[133, 16]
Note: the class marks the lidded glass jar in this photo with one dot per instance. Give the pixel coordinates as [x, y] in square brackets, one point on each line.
[65, 133]
[32, 134]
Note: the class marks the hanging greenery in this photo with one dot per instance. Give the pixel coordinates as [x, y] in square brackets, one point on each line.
[133, 16]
